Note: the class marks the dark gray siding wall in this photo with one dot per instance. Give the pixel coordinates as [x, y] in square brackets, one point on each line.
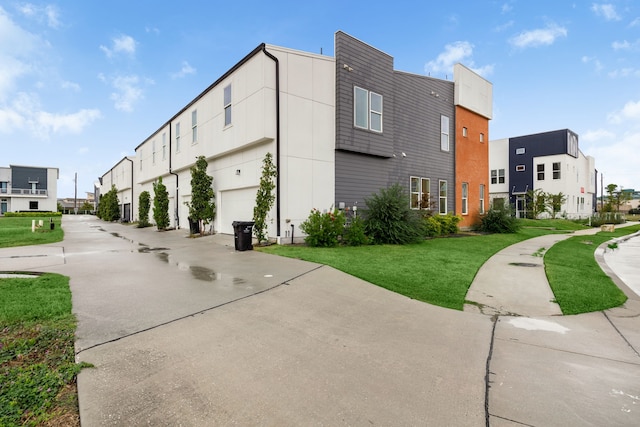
[417, 132]
[368, 161]
[22, 176]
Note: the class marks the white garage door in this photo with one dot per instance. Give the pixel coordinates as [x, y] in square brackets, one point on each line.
[235, 205]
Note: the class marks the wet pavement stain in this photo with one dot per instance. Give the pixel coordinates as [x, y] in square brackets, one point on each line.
[147, 249]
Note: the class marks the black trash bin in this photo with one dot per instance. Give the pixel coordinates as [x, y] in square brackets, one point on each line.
[194, 226]
[242, 231]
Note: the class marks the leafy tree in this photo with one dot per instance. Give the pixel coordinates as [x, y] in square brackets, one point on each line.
[389, 219]
[615, 198]
[60, 207]
[160, 205]
[202, 208]
[86, 206]
[536, 201]
[109, 207]
[264, 198]
[554, 203]
[144, 205]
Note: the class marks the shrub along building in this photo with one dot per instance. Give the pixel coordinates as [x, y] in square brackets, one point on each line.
[340, 129]
[550, 162]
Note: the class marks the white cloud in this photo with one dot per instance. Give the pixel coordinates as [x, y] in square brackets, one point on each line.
[19, 53]
[184, 71]
[460, 51]
[635, 22]
[539, 37]
[504, 27]
[595, 61]
[128, 90]
[607, 11]
[42, 13]
[630, 111]
[625, 45]
[506, 8]
[71, 86]
[624, 72]
[26, 114]
[597, 135]
[122, 44]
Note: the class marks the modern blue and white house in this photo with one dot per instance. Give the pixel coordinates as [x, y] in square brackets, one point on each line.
[28, 189]
[548, 161]
[339, 129]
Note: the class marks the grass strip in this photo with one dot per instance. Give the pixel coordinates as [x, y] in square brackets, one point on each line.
[16, 231]
[576, 279]
[437, 271]
[37, 367]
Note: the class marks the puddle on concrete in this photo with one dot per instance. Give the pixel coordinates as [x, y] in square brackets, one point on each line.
[208, 275]
[524, 264]
[147, 249]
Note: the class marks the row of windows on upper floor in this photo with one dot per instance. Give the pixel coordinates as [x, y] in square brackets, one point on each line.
[420, 195]
[367, 114]
[227, 108]
[498, 176]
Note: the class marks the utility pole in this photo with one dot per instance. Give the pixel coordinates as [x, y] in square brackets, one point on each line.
[75, 195]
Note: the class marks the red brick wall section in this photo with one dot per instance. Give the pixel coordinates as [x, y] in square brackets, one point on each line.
[472, 164]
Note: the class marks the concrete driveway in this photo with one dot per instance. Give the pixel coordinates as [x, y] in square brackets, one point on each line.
[190, 332]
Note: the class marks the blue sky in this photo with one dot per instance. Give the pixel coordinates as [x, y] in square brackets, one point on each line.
[82, 83]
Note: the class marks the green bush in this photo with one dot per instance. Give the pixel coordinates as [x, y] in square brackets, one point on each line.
[498, 221]
[323, 229]
[354, 233]
[144, 206]
[432, 227]
[389, 218]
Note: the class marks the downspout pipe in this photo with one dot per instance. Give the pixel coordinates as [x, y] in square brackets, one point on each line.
[131, 211]
[277, 64]
[177, 181]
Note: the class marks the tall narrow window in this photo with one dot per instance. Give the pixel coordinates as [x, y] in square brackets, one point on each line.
[194, 126]
[178, 137]
[494, 176]
[375, 121]
[141, 156]
[465, 198]
[367, 109]
[481, 198]
[482, 137]
[425, 201]
[540, 170]
[556, 170]
[227, 105]
[419, 193]
[500, 176]
[153, 152]
[464, 132]
[443, 197]
[164, 146]
[444, 133]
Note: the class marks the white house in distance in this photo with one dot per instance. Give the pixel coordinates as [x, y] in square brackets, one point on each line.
[121, 175]
[28, 189]
[549, 161]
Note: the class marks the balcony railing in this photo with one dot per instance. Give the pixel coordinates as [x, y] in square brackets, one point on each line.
[28, 192]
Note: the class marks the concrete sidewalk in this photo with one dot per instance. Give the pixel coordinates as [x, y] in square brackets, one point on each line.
[190, 332]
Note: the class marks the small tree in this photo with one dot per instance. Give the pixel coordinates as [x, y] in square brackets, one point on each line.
[554, 203]
[536, 201]
[86, 206]
[202, 208]
[160, 205]
[264, 198]
[144, 205]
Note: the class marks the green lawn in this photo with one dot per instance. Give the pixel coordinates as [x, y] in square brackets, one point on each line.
[16, 231]
[438, 271]
[37, 363]
[577, 281]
